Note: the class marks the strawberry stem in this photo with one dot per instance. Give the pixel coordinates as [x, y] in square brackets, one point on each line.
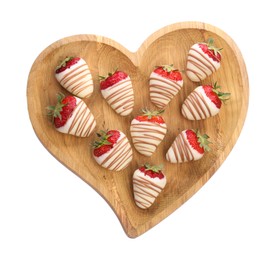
[202, 139]
[210, 44]
[54, 111]
[103, 139]
[150, 114]
[222, 95]
[64, 62]
[154, 168]
[101, 78]
[167, 68]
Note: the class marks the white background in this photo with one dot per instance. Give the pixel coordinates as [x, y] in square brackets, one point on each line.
[46, 212]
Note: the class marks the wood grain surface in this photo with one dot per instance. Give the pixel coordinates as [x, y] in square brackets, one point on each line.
[169, 45]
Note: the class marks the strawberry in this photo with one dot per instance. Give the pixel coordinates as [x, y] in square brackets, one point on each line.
[164, 82]
[71, 116]
[74, 75]
[112, 150]
[189, 145]
[147, 131]
[151, 116]
[117, 90]
[203, 59]
[148, 183]
[106, 142]
[203, 102]
[67, 63]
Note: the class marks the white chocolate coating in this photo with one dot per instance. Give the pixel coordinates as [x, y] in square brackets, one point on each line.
[162, 90]
[198, 106]
[118, 157]
[200, 65]
[120, 96]
[181, 150]
[146, 189]
[81, 123]
[77, 79]
[147, 136]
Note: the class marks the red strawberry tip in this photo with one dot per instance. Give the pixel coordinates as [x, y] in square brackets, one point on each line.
[112, 78]
[152, 171]
[102, 78]
[151, 116]
[169, 72]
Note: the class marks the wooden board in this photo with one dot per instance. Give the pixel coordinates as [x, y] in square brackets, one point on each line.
[166, 46]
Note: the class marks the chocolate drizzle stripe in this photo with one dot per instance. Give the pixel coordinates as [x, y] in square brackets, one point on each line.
[121, 99]
[77, 76]
[82, 116]
[83, 129]
[153, 185]
[195, 103]
[209, 60]
[119, 94]
[81, 85]
[84, 88]
[73, 70]
[200, 58]
[150, 136]
[198, 70]
[141, 188]
[169, 83]
[120, 155]
[198, 75]
[162, 90]
[206, 60]
[181, 149]
[114, 151]
[145, 191]
[137, 128]
[187, 154]
[201, 63]
[126, 155]
[127, 80]
[78, 79]
[158, 103]
[147, 136]
[123, 104]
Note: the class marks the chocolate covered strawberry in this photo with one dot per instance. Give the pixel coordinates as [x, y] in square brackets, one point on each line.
[164, 83]
[203, 102]
[147, 131]
[117, 90]
[72, 116]
[112, 150]
[189, 145]
[74, 75]
[148, 183]
[203, 59]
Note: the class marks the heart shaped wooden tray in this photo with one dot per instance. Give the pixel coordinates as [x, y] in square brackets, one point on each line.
[169, 45]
